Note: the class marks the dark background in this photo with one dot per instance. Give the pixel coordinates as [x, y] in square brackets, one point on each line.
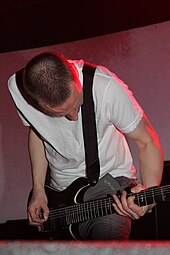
[26, 24]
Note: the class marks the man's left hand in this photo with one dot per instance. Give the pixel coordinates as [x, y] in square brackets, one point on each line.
[126, 206]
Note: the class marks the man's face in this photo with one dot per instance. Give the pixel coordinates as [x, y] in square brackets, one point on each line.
[71, 107]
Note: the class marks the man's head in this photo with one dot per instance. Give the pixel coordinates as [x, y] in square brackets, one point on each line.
[51, 85]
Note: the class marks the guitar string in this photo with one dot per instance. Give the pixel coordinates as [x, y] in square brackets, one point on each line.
[82, 207]
[84, 204]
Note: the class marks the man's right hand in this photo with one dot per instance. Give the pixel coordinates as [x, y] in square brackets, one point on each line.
[38, 210]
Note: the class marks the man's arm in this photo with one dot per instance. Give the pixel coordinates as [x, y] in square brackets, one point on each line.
[39, 166]
[151, 167]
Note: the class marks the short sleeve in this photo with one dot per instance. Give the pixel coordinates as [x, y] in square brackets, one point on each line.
[122, 109]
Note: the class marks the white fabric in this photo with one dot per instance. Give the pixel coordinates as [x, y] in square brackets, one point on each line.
[116, 112]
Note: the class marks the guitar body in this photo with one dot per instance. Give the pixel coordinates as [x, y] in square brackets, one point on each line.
[72, 194]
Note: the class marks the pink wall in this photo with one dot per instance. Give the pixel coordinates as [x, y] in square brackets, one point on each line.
[141, 57]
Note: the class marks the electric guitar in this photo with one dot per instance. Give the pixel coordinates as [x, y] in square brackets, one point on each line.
[67, 208]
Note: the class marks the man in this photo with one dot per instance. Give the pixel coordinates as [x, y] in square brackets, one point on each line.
[48, 98]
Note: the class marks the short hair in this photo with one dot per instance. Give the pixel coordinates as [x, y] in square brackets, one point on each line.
[46, 79]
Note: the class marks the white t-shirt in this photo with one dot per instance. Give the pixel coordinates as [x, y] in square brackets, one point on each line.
[116, 112]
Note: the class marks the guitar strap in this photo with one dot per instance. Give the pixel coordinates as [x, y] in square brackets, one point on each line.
[89, 126]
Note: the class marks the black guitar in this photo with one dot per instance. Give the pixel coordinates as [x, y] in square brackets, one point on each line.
[67, 207]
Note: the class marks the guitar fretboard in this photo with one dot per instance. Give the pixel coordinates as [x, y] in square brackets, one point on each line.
[152, 195]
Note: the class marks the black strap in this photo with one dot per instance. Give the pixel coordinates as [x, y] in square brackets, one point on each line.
[89, 126]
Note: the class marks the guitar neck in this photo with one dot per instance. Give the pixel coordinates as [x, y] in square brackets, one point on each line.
[152, 195]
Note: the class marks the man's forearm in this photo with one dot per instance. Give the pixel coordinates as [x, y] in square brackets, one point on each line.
[39, 162]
